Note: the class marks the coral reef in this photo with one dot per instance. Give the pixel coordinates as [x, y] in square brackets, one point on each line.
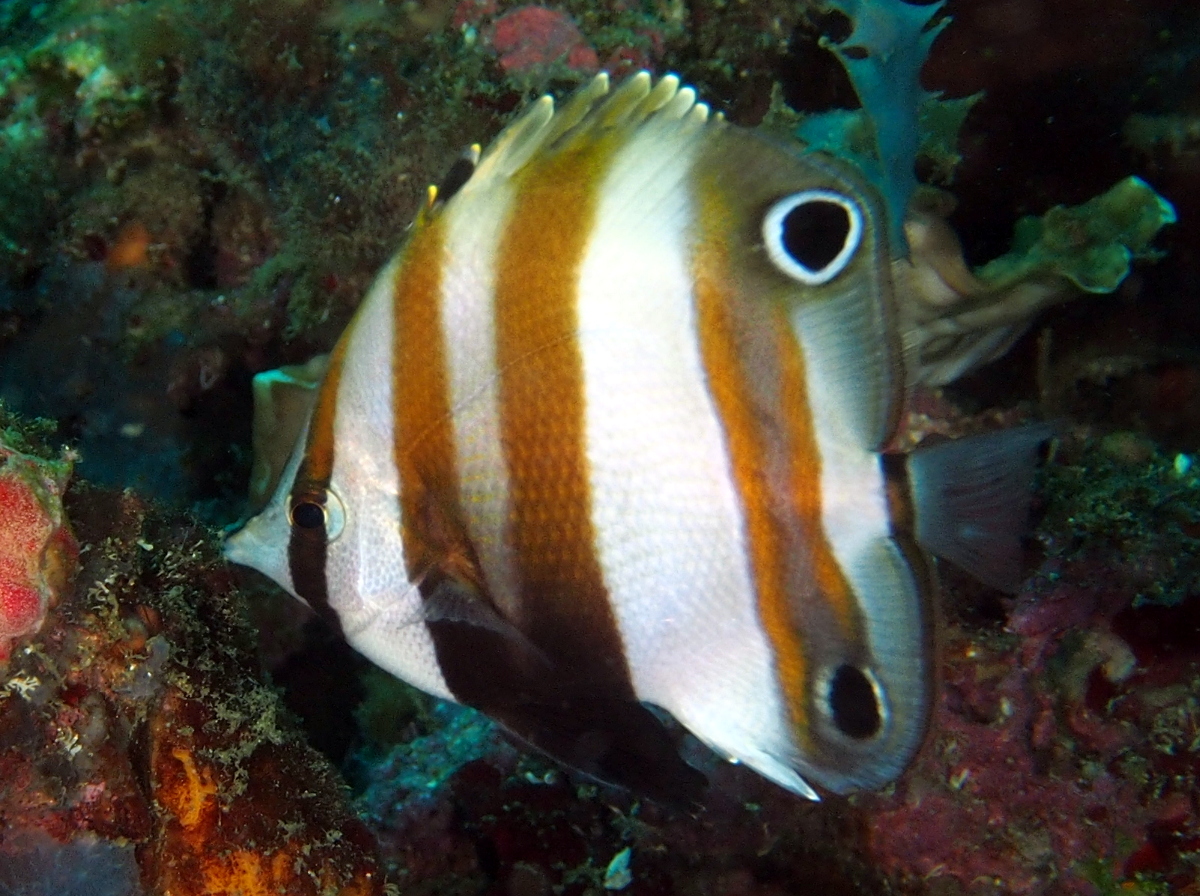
[137, 737]
[1118, 505]
[530, 37]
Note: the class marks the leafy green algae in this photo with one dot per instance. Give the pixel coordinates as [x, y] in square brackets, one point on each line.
[1092, 244]
[34, 436]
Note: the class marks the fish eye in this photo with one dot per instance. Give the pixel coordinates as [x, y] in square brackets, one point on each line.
[853, 702]
[312, 514]
[811, 236]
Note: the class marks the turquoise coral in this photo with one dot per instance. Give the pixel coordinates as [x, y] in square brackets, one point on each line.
[883, 57]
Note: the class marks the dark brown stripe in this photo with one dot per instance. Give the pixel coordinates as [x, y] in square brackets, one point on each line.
[307, 547]
[542, 419]
[902, 514]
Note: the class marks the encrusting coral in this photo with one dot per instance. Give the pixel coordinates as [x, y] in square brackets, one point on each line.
[136, 716]
[38, 552]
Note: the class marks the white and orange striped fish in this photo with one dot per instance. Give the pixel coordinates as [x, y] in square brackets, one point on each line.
[607, 432]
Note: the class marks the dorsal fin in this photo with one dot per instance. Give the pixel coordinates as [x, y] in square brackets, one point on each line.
[588, 114]
[458, 175]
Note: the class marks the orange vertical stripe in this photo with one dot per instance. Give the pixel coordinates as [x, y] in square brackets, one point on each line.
[748, 458]
[542, 413]
[433, 532]
[317, 467]
[781, 500]
[805, 483]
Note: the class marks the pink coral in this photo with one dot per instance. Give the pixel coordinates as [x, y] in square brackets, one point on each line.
[37, 550]
[1020, 786]
[529, 37]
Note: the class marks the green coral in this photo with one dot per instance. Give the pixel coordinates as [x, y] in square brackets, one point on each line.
[35, 436]
[1107, 882]
[392, 712]
[60, 71]
[845, 133]
[29, 193]
[849, 134]
[940, 121]
[16, 15]
[91, 79]
[1092, 244]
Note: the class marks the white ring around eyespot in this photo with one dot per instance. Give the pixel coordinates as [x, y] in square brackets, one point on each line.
[335, 515]
[772, 230]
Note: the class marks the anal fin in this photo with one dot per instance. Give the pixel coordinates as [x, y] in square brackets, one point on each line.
[610, 740]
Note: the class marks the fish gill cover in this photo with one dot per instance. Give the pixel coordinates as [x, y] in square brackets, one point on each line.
[197, 191]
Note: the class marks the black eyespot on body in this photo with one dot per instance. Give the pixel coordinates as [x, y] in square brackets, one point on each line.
[308, 515]
[811, 236]
[853, 705]
[814, 233]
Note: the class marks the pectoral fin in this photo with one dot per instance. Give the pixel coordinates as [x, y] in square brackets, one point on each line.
[283, 401]
[611, 740]
[457, 602]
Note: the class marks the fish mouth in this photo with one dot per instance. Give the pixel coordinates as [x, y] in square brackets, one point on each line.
[233, 546]
[243, 544]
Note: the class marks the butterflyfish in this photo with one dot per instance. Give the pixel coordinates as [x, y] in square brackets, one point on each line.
[606, 439]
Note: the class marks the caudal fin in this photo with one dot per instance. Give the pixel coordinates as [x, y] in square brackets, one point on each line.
[971, 498]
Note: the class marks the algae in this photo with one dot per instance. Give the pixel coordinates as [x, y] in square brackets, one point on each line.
[1125, 521]
[1092, 245]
